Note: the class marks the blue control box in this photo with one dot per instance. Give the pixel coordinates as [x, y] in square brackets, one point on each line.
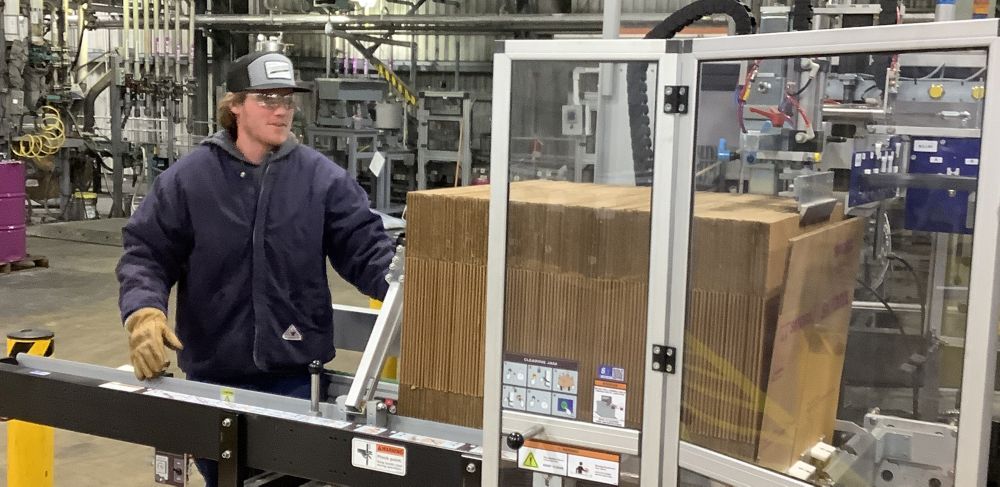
[941, 210]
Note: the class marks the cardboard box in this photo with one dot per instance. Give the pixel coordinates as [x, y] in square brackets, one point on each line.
[578, 259]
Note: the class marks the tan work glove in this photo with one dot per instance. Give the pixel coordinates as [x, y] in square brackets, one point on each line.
[147, 328]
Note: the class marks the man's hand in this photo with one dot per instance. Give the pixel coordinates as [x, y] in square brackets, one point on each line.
[147, 330]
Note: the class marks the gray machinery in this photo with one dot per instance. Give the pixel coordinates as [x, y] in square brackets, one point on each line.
[356, 124]
[444, 135]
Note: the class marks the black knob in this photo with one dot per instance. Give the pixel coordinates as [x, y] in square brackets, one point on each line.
[315, 367]
[515, 441]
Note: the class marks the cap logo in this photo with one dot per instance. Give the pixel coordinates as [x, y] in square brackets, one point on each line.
[277, 70]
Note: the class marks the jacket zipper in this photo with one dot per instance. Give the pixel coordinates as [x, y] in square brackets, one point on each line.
[258, 212]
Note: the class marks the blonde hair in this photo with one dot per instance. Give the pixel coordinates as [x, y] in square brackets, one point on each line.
[225, 114]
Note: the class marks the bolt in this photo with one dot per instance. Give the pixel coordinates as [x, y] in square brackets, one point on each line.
[656, 366]
[681, 108]
[656, 350]
[952, 193]
[667, 107]
[670, 352]
[669, 90]
[227, 455]
[471, 468]
[669, 368]
[682, 91]
[227, 423]
[381, 406]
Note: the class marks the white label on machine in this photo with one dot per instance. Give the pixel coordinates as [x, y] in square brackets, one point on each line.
[370, 430]
[30, 183]
[971, 162]
[925, 146]
[162, 467]
[118, 386]
[378, 161]
[426, 440]
[936, 160]
[380, 457]
[538, 460]
[609, 403]
[599, 470]
[858, 159]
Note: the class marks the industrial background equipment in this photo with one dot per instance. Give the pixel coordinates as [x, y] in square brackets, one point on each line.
[761, 260]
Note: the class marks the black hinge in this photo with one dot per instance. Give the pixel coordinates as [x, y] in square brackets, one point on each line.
[664, 359]
[675, 99]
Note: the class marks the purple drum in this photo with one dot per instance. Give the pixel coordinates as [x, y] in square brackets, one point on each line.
[13, 243]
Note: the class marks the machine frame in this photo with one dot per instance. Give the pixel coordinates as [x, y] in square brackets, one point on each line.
[678, 65]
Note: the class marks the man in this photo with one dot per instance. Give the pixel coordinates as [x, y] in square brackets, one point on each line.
[243, 225]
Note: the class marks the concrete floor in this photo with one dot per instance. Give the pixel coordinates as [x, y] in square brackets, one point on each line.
[77, 298]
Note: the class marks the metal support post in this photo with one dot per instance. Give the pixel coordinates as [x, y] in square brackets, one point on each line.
[232, 450]
[30, 447]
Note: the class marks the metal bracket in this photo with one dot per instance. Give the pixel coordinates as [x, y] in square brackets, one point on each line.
[384, 332]
[675, 99]
[232, 450]
[664, 359]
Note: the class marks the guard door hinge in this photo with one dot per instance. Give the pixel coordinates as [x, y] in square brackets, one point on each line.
[664, 359]
[675, 99]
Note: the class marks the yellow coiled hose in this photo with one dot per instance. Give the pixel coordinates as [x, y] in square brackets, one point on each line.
[46, 140]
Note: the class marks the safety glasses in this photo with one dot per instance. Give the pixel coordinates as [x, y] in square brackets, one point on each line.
[273, 101]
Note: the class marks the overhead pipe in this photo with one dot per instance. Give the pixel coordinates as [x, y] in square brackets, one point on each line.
[157, 38]
[147, 38]
[126, 30]
[416, 23]
[190, 37]
[135, 37]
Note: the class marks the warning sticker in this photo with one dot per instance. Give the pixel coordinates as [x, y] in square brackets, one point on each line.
[539, 460]
[569, 461]
[609, 403]
[377, 456]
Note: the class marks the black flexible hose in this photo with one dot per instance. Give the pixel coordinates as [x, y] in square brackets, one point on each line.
[638, 100]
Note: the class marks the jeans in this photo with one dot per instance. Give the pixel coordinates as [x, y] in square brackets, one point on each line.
[297, 386]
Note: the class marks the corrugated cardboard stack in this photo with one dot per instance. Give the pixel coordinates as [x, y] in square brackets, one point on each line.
[577, 290]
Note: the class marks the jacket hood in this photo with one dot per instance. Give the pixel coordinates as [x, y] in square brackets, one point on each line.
[225, 141]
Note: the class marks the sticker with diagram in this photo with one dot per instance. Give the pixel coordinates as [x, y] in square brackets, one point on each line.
[609, 403]
[540, 385]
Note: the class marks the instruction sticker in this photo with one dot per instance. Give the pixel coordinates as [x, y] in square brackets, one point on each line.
[377, 456]
[601, 470]
[540, 385]
[569, 461]
[609, 403]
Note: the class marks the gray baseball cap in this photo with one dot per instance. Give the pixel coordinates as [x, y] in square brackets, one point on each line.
[262, 71]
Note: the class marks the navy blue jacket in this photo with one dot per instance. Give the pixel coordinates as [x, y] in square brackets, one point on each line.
[248, 259]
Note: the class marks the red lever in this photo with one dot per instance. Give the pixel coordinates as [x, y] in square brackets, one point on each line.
[777, 118]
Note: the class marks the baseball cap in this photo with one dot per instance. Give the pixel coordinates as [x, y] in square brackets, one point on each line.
[262, 71]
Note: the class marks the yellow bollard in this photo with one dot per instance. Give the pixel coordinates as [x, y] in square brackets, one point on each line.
[30, 447]
[391, 368]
